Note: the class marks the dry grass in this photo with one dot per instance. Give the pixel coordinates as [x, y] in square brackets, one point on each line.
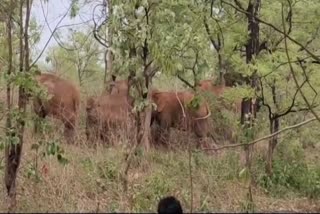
[91, 182]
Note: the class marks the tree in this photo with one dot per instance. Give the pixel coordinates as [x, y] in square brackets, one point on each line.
[15, 125]
[80, 55]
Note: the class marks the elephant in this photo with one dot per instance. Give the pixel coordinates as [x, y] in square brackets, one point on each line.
[235, 106]
[63, 102]
[218, 90]
[173, 111]
[109, 112]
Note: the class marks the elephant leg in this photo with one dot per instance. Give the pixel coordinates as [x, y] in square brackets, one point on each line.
[105, 138]
[164, 136]
[41, 115]
[88, 132]
[155, 133]
[164, 130]
[201, 131]
[160, 135]
[69, 131]
[91, 132]
[104, 132]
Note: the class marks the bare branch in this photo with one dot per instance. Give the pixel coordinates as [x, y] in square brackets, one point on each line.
[53, 32]
[316, 58]
[290, 108]
[289, 20]
[213, 42]
[97, 28]
[307, 79]
[185, 81]
[238, 4]
[263, 100]
[52, 35]
[292, 71]
[194, 69]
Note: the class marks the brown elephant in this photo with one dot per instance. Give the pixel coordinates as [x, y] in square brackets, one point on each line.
[109, 112]
[218, 90]
[173, 111]
[226, 131]
[63, 102]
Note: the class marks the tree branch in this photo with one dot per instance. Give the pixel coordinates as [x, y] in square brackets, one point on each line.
[52, 35]
[262, 138]
[239, 4]
[293, 101]
[316, 58]
[185, 81]
[292, 71]
[97, 28]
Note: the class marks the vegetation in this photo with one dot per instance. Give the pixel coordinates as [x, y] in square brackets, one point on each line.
[266, 51]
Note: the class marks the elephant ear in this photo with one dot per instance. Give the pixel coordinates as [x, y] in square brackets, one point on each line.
[160, 106]
[49, 85]
[158, 100]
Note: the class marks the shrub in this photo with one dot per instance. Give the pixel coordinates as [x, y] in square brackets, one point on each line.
[291, 173]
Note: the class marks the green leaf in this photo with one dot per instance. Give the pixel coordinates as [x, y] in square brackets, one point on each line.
[52, 149]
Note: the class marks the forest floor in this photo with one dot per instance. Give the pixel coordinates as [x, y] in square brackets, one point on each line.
[92, 182]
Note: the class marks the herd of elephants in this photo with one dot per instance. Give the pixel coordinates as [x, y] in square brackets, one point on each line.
[112, 109]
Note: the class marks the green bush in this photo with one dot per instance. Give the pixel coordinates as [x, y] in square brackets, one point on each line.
[291, 173]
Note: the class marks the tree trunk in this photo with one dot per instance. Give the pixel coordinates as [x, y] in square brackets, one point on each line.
[9, 178]
[13, 151]
[108, 55]
[248, 111]
[270, 151]
[221, 69]
[145, 140]
[105, 68]
[109, 61]
[274, 127]
[79, 71]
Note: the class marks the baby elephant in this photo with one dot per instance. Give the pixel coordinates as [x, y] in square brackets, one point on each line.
[62, 103]
[109, 113]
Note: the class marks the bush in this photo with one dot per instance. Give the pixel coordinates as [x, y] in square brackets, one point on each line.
[291, 173]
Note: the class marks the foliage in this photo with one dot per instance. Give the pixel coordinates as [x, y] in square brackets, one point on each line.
[194, 40]
[144, 25]
[80, 57]
[292, 173]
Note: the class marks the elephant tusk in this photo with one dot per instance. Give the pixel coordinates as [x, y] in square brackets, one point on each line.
[183, 113]
[205, 117]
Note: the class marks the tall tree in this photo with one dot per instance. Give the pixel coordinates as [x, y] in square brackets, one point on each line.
[13, 149]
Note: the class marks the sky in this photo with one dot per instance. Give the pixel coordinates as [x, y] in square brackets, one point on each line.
[55, 10]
